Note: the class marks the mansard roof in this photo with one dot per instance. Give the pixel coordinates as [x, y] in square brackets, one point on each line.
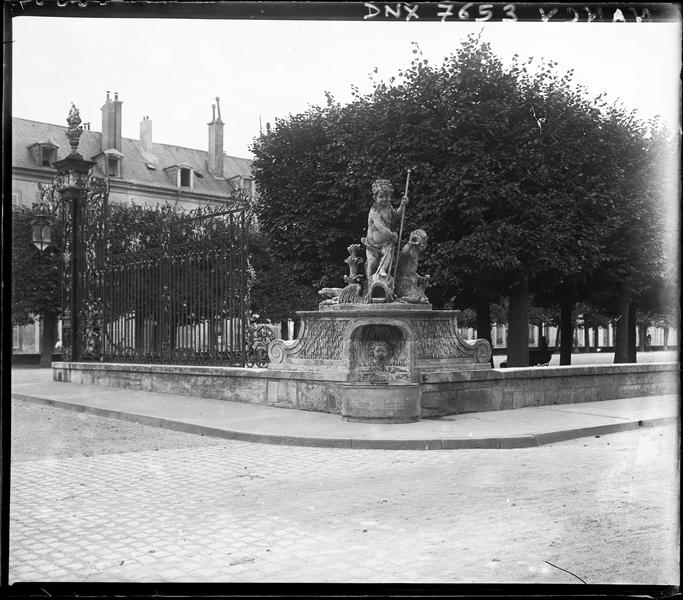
[25, 133]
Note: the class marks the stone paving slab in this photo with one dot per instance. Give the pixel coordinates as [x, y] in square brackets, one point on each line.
[518, 428]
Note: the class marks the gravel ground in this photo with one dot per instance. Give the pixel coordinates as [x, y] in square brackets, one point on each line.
[46, 432]
[98, 499]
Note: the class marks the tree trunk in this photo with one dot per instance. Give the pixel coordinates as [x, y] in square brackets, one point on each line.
[666, 338]
[48, 338]
[586, 338]
[284, 329]
[483, 308]
[297, 328]
[621, 337]
[642, 334]
[566, 332]
[518, 328]
[632, 347]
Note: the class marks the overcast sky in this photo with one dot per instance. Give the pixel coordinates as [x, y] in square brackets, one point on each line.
[172, 70]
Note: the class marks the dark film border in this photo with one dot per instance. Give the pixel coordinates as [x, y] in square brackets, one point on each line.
[445, 11]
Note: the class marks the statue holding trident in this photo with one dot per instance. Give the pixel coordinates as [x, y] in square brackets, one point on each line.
[381, 240]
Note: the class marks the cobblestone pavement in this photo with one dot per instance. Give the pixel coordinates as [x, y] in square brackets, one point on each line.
[605, 509]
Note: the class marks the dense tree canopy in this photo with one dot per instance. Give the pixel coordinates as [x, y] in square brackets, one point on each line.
[523, 181]
[36, 279]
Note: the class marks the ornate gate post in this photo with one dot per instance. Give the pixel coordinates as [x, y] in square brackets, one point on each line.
[71, 183]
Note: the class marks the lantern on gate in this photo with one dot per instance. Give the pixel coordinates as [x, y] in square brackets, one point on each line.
[42, 227]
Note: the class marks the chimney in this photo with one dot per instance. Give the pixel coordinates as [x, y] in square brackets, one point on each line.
[146, 135]
[111, 123]
[216, 142]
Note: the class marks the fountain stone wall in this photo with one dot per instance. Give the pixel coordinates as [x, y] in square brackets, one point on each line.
[380, 355]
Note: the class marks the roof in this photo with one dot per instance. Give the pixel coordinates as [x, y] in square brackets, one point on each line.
[25, 133]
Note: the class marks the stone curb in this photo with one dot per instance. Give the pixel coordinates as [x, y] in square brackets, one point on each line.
[507, 442]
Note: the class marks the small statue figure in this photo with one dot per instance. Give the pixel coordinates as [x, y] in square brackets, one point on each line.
[353, 260]
[405, 285]
[351, 294]
[409, 285]
[330, 295]
[381, 239]
[75, 129]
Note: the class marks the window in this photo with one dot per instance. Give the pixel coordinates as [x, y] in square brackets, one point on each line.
[112, 166]
[181, 175]
[44, 153]
[15, 199]
[185, 177]
[500, 335]
[48, 155]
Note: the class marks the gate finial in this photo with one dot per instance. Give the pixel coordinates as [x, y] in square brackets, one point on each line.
[75, 129]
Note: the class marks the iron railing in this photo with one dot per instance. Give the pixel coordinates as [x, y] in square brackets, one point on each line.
[179, 296]
[180, 303]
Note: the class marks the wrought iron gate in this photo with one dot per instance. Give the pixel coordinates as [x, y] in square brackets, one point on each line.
[180, 296]
[83, 213]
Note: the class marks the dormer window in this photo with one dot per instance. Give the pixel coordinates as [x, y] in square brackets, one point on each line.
[181, 175]
[48, 155]
[247, 185]
[44, 153]
[113, 166]
[184, 177]
[110, 162]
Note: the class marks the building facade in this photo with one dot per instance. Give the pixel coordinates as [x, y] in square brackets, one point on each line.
[139, 171]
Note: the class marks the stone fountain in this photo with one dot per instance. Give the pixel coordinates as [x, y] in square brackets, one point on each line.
[378, 336]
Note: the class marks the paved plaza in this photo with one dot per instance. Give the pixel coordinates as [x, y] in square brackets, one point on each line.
[97, 499]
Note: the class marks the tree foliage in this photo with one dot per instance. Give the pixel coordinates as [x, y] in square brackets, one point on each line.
[518, 175]
[36, 278]
[36, 275]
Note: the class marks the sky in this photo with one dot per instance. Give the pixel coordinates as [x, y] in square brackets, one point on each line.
[172, 70]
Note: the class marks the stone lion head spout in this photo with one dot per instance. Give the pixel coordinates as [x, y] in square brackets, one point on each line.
[380, 352]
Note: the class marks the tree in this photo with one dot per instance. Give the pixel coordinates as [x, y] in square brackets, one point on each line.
[274, 296]
[36, 279]
[640, 251]
[515, 177]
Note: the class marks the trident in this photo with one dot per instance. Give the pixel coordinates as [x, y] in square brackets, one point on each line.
[400, 231]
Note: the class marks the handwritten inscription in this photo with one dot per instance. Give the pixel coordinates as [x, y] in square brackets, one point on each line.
[471, 11]
[476, 12]
[396, 10]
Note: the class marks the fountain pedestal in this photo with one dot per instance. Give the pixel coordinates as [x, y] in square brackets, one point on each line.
[381, 352]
